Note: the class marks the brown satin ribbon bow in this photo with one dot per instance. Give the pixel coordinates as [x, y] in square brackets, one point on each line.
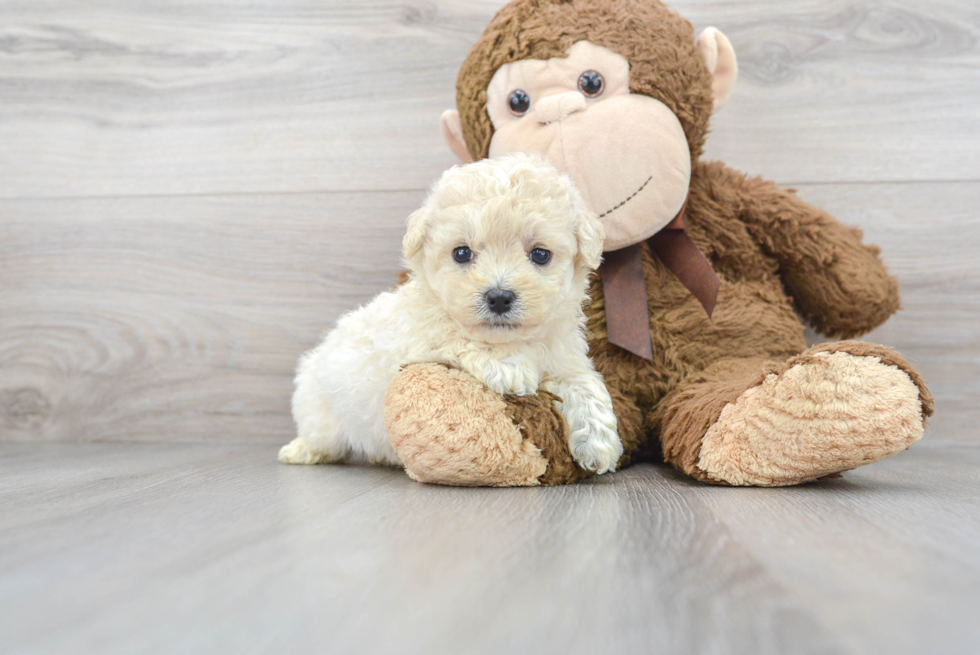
[624, 287]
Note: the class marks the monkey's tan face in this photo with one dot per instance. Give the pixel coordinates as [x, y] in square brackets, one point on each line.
[627, 153]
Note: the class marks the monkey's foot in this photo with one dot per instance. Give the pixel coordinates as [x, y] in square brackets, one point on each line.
[448, 428]
[834, 408]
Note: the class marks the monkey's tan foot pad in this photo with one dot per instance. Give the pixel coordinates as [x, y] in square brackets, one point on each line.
[448, 428]
[830, 409]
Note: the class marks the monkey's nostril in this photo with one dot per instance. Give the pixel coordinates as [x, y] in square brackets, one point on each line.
[500, 301]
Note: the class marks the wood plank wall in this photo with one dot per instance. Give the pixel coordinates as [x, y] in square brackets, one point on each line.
[192, 191]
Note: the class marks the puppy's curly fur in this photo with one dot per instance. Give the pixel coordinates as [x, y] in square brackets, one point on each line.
[499, 212]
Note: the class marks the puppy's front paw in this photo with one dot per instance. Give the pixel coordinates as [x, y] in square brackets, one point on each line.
[596, 445]
[512, 376]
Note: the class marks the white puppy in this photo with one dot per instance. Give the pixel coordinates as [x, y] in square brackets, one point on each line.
[499, 257]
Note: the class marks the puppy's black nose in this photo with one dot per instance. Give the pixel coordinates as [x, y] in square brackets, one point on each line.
[500, 300]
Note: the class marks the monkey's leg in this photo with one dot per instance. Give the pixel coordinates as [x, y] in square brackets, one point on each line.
[831, 408]
[449, 429]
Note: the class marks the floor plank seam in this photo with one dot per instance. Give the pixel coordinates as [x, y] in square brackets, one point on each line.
[355, 191]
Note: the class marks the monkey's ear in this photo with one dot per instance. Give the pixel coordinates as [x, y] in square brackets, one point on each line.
[452, 132]
[415, 233]
[720, 57]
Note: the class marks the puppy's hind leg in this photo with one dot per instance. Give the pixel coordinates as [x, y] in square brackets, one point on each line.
[318, 440]
[298, 451]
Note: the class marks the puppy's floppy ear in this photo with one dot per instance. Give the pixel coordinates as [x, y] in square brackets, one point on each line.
[589, 235]
[418, 225]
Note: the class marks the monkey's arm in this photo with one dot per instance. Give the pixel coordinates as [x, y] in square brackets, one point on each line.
[839, 284]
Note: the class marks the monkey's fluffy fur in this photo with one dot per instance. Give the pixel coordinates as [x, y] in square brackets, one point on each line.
[734, 399]
[501, 210]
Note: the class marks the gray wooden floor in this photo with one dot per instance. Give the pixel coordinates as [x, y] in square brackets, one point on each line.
[191, 192]
[214, 548]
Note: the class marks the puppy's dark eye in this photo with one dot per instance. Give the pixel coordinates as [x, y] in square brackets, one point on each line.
[518, 102]
[540, 256]
[462, 255]
[591, 83]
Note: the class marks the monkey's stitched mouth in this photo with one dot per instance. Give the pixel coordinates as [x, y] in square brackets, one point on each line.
[633, 195]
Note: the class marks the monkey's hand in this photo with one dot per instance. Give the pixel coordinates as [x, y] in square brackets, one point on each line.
[839, 284]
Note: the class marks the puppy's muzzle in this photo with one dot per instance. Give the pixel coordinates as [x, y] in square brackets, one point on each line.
[500, 301]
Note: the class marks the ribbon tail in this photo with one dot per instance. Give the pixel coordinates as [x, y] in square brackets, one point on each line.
[625, 292]
[678, 252]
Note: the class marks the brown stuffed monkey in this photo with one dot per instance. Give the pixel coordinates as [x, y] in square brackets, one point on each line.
[695, 321]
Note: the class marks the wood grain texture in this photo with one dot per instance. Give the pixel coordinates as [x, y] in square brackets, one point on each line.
[181, 319]
[152, 548]
[178, 318]
[116, 97]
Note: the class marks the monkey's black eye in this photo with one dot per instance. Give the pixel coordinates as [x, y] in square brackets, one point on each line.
[518, 102]
[462, 255]
[591, 83]
[540, 256]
